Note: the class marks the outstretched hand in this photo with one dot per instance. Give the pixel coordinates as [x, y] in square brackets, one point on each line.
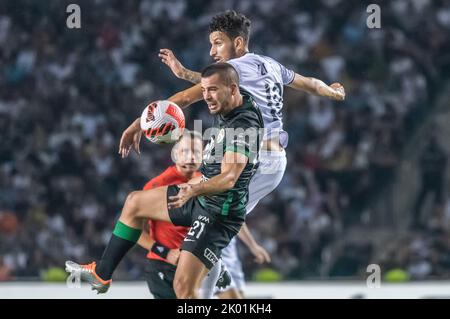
[185, 193]
[169, 59]
[260, 254]
[131, 138]
[339, 91]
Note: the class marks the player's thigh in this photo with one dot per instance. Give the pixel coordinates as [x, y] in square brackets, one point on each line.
[266, 179]
[151, 203]
[209, 234]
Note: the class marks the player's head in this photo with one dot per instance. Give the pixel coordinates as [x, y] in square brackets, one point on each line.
[220, 87]
[187, 152]
[229, 33]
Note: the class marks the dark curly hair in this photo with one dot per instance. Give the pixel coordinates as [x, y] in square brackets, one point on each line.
[231, 23]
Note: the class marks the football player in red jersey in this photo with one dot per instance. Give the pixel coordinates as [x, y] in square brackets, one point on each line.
[164, 239]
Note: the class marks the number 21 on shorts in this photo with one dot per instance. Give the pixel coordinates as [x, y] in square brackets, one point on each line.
[196, 229]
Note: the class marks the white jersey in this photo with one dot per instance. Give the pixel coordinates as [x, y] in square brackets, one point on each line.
[264, 78]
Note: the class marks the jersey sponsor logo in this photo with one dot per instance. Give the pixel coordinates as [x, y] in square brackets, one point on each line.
[203, 218]
[240, 141]
[210, 256]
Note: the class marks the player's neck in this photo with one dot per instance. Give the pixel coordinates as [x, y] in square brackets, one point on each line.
[242, 53]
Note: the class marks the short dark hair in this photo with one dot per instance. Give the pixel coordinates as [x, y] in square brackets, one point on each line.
[231, 23]
[226, 72]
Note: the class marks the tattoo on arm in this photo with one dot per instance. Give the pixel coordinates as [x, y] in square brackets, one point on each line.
[191, 76]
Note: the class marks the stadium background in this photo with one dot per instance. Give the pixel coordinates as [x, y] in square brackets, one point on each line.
[354, 176]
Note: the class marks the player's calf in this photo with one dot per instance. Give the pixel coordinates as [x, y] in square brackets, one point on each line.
[150, 204]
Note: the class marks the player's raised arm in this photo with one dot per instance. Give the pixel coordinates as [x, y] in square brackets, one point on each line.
[315, 86]
[131, 137]
[187, 97]
[169, 59]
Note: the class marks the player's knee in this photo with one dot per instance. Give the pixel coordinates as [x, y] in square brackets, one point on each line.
[131, 203]
[183, 289]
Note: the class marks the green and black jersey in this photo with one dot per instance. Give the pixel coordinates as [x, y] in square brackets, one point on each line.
[238, 131]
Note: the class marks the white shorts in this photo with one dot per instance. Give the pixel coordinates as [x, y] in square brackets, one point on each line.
[266, 179]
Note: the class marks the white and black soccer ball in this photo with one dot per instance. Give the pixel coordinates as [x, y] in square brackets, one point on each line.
[162, 122]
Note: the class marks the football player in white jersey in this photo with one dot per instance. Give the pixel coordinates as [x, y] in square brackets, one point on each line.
[263, 78]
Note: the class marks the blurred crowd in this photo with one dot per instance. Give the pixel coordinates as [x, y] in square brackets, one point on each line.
[67, 94]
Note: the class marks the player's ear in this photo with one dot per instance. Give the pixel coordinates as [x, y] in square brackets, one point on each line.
[234, 89]
[239, 43]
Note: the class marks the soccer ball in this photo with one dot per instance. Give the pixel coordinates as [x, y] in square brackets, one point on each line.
[162, 122]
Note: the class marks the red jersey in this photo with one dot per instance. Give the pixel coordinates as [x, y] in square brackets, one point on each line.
[166, 233]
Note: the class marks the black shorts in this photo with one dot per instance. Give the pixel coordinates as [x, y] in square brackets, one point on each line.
[159, 276]
[209, 233]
